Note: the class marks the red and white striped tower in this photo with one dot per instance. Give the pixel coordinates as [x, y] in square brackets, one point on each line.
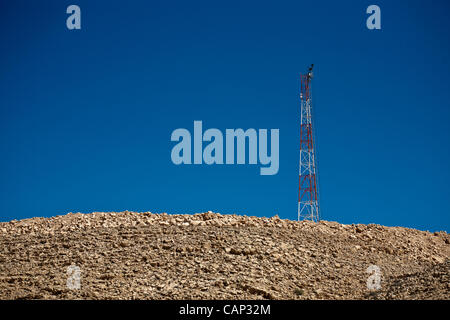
[308, 192]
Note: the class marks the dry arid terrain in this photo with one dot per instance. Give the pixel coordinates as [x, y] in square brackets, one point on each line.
[129, 255]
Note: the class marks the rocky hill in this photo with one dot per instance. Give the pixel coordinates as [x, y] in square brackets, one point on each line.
[128, 255]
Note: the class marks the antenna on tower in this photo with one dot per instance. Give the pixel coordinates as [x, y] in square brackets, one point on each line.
[308, 192]
[310, 74]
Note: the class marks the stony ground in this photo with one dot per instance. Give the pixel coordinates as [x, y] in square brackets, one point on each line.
[128, 255]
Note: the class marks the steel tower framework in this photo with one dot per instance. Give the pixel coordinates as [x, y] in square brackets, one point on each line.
[308, 192]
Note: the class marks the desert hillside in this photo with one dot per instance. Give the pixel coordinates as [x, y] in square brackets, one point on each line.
[129, 255]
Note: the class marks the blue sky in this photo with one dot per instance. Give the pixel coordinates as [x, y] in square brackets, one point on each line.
[86, 115]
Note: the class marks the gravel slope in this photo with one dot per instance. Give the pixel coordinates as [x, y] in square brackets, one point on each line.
[128, 255]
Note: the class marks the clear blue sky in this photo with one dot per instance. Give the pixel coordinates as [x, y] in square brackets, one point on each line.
[86, 115]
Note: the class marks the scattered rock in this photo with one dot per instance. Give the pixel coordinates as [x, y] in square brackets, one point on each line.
[128, 255]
